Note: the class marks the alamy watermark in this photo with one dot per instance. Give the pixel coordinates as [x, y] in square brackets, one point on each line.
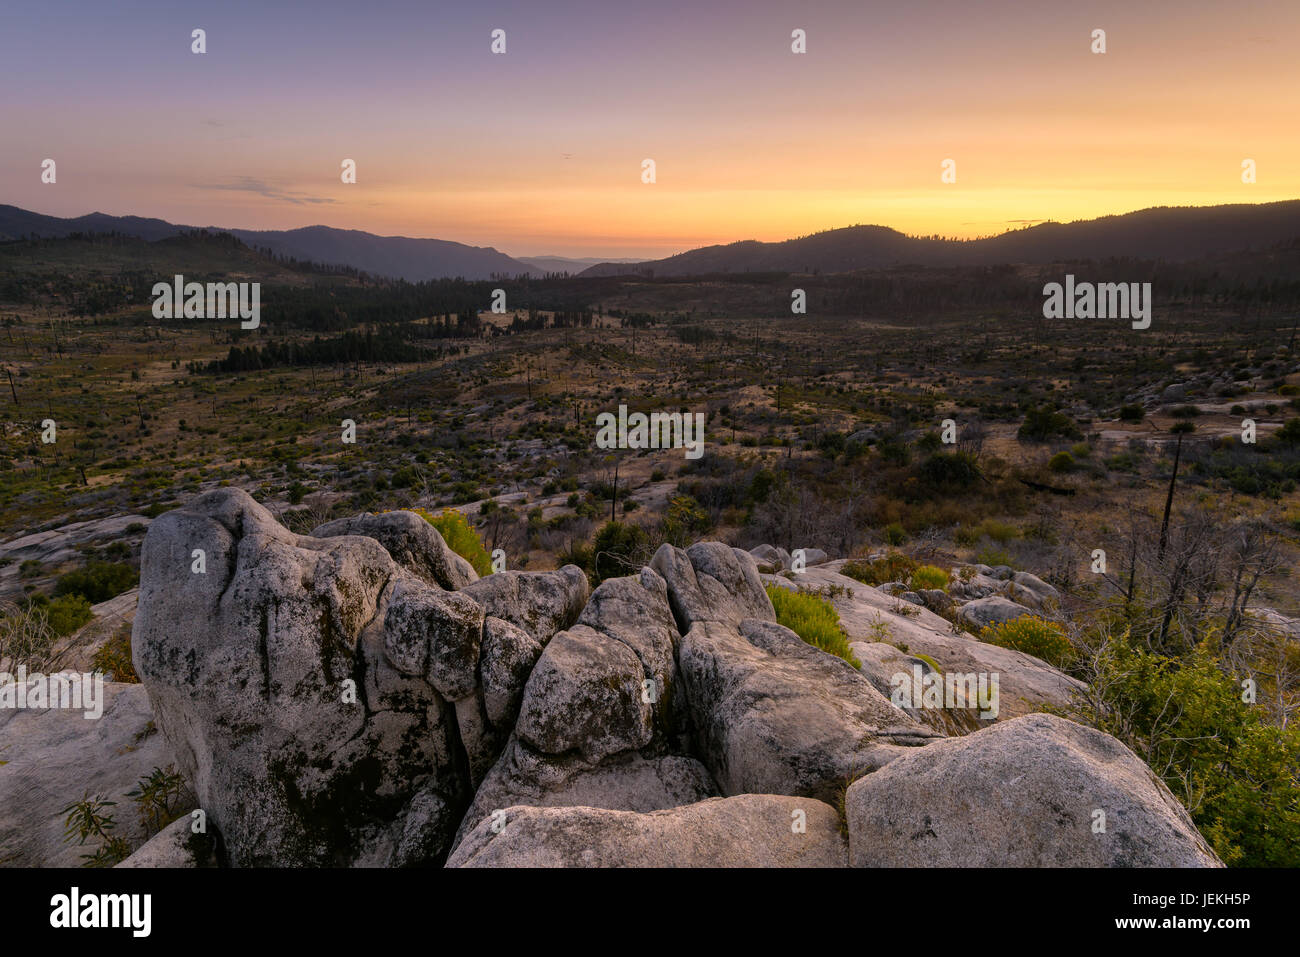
[658, 430]
[934, 689]
[66, 690]
[218, 300]
[1107, 300]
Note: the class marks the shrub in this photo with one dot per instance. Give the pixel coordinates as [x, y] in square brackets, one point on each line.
[813, 619]
[1033, 636]
[928, 576]
[894, 567]
[684, 520]
[1290, 432]
[1061, 462]
[894, 534]
[615, 550]
[114, 657]
[1237, 774]
[67, 613]
[1131, 413]
[994, 557]
[1000, 532]
[460, 537]
[955, 469]
[1043, 424]
[161, 797]
[98, 581]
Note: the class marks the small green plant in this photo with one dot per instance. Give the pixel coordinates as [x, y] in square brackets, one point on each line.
[1061, 462]
[90, 818]
[879, 629]
[895, 534]
[1033, 636]
[460, 537]
[813, 619]
[114, 657]
[161, 798]
[928, 576]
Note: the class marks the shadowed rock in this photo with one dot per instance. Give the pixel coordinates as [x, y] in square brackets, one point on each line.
[774, 715]
[752, 830]
[1026, 793]
[176, 845]
[303, 683]
[51, 757]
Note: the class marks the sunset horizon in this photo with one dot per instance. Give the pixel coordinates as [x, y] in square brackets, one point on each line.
[538, 149]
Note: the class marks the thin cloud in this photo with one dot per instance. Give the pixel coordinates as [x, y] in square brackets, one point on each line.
[251, 184]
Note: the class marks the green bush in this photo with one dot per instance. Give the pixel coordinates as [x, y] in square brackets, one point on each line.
[894, 567]
[813, 619]
[1290, 432]
[1061, 462]
[68, 613]
[994, 557]
[615, 550]
[114, 657]
[1043, 424]
[895, 534]
[460, 537]
[1033, 636]
[1239, 776]
[950, 469]
[685, 520]
[98, 581]
[928, 576]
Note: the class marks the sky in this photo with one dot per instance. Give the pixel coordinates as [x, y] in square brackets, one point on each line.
[539, 150]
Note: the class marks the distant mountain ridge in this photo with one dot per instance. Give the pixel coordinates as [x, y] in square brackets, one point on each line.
[1164, 232]
[1169, 233]
[396, 256]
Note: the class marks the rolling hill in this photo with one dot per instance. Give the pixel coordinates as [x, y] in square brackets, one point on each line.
[1169, 233]
[395, 256]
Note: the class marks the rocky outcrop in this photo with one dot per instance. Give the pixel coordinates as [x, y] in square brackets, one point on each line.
[541, 603]
[626, 782]
[712, 582]
[883, 664]
[1039, 791]
[774, 715]
[600, 710]
[321, 699]
[750, 830]
[332, 703]
[412, 542]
